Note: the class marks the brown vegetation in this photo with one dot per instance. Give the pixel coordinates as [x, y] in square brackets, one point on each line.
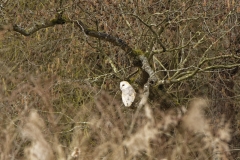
[62, 61]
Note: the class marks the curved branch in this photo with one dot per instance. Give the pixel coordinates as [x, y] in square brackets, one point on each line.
[145, 66]
[104, 36]
[37, 26]
[139, 58]
[137, 55]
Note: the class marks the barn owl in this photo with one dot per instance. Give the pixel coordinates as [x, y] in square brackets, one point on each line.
[128, 93]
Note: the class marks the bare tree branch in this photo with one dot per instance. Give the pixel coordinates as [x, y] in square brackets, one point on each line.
[93, 33]
[153, 31]
[142, 102]
[124, 46]
[37, 26]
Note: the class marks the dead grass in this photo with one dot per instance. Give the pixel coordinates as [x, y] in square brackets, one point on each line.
[34, 127]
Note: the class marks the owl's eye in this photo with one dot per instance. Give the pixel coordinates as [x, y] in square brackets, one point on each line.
[123, 85]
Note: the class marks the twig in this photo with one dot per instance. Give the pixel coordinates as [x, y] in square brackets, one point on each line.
[140, 105]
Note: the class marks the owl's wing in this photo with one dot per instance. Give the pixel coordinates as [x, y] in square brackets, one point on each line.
[128, 96]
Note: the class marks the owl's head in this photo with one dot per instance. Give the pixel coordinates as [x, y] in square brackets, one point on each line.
[124, 85]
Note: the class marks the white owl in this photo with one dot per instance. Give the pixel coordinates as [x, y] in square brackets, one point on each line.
[128, 93]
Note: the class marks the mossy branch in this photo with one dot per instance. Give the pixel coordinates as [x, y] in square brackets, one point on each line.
[38, 26]
[138, 55]
[135, 54]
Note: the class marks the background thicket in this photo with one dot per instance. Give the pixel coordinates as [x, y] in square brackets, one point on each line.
[62, 62]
